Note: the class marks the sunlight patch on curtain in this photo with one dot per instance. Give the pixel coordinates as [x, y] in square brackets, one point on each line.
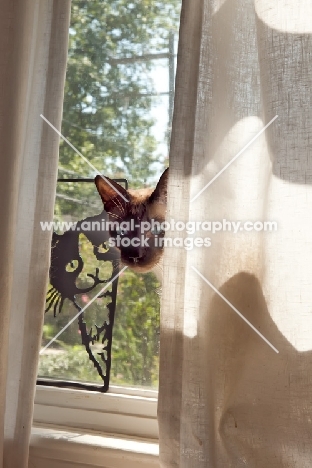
[291, 16]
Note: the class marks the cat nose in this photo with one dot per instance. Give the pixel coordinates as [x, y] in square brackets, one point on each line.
[137, 254]
[135, 259]
[134, 253]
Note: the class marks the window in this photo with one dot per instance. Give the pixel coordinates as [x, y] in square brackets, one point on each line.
[117, 112]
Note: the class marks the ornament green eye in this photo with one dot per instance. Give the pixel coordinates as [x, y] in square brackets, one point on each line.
[72, 266]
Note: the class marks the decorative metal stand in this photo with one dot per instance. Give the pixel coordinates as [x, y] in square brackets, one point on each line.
[64, 251]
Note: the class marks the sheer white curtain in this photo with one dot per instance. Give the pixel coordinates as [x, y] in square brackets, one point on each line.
[227, 398]
[33, 52]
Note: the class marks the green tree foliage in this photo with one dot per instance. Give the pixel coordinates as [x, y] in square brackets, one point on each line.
[108, 90]
[136, 333]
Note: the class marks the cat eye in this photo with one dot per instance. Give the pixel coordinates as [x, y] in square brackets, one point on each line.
[121, 232]
[156, 231]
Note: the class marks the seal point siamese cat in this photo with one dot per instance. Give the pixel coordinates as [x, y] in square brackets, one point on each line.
[143, 213]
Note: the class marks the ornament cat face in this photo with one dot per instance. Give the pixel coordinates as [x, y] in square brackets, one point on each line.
[135, 223]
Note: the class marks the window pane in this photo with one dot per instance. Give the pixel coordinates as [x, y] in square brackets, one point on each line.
[117, 113]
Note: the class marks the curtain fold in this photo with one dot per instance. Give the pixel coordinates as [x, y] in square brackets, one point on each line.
[33, 54]
[231, 395]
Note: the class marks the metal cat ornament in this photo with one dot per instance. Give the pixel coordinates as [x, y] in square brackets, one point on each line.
[65, 268]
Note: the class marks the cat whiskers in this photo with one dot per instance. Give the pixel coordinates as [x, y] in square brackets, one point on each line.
[54, 299]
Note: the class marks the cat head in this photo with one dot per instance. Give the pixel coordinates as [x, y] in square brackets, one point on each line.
[135, 221]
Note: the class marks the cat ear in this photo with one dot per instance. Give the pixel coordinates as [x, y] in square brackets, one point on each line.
[109, 189]
[160, 193]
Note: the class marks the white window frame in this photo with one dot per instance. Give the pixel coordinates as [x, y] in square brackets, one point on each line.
[93, 429]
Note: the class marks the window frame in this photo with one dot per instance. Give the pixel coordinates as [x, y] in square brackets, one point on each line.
[122, 410]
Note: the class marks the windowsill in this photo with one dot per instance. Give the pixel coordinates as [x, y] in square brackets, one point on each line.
[51, 447]
[76, 428]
